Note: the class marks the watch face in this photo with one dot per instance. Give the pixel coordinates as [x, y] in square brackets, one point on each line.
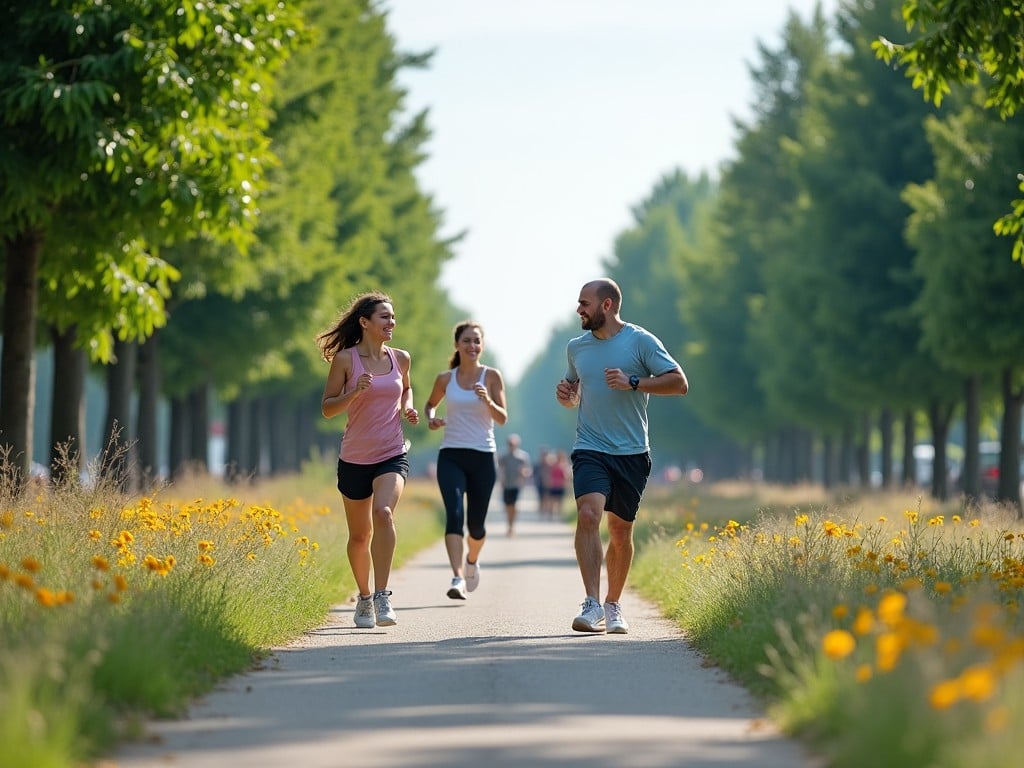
[634, 381]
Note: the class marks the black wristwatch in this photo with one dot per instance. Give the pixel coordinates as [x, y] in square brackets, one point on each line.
[634, 381]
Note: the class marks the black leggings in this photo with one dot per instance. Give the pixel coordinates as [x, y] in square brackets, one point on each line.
[465, 473]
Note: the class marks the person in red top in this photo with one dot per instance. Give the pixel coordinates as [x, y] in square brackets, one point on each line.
[369, 381]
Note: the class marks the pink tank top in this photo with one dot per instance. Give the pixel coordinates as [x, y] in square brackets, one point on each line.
[373, 432]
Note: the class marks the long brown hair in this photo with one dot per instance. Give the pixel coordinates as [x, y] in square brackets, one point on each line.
[459, 328]
[346, 331]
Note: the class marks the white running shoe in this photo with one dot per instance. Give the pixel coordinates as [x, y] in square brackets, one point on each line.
[457, 591]
[591, 618]
[472, 575]
[614, 622]
[364, 618]
[386, 616]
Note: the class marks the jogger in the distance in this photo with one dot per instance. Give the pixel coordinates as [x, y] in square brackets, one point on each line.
[612, 371]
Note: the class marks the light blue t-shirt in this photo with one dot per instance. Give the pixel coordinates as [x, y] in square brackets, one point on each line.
[613, 420]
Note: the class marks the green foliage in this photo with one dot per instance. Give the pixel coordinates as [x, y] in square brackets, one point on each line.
[971, 301]
[978, 44]
[957, 42]
[761, 595]
[138, 106]
[107, 615]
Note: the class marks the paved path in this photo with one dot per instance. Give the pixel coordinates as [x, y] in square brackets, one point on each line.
[497, 680]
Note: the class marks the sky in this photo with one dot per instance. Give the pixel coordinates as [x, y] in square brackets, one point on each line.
[552, 119]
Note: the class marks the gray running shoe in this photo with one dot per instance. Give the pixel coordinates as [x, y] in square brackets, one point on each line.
[591, 618]
[364, 613]
[472, 575]
[457, 591]
[386, 616]
[614, 622]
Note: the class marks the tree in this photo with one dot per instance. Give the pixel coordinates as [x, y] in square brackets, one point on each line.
[979, 44]
[972, 298]
[146, 113]
[862, 141]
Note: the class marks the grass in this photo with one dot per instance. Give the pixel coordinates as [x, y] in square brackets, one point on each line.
[114, 607]
[884, 629]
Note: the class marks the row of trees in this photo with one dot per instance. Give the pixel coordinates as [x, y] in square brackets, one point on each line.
[187, 195]
[843, 276]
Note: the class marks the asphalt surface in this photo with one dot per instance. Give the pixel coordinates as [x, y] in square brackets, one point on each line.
[497, 680]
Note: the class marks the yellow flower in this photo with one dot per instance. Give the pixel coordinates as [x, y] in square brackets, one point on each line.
[943, 587]
[205, 559]
[206, 546]
[864, 673]
[25, 581]
[978, 682]
[864, 621]
[45, 597]
[100, 563]
[31, 565]
[888, 648]
[120, 582]
[891, 607]
[838, 644]
[840, 612]
[945, 694]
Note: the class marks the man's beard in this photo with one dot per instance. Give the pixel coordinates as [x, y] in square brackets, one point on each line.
[594, 321]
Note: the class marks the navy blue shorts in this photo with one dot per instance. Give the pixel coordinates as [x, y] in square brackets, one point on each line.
[620, 479]
[355, 481]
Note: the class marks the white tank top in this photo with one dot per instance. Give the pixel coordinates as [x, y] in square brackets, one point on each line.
[468, 421]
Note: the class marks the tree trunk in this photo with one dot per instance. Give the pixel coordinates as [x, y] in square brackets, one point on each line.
[236, 463]
[305, 428]
[885, 428]
[864, 451]
[117, 427]
[970, 472]
[177, 460]
[149, 399]
[199, 434]
[17, 362]
[282, 434]
[67, 415]
[828, 461]
[256, 432]
[909, 478]
[846, 455]
[940, 415]
[1009, 450]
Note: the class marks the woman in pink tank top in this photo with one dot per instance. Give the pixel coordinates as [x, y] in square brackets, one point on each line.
[369, 381]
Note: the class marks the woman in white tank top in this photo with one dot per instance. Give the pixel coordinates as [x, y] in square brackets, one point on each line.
[466, 467]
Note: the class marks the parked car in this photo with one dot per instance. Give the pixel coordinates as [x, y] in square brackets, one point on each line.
[988, 468]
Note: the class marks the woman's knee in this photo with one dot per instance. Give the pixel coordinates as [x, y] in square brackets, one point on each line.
[383, 515]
